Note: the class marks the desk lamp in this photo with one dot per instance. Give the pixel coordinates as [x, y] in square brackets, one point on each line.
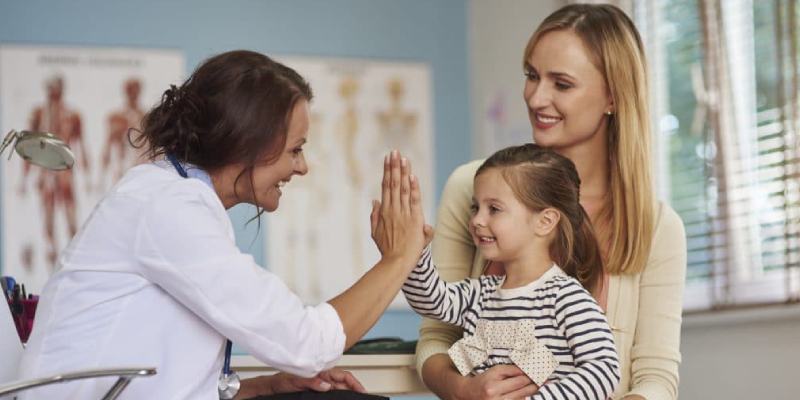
[40, 148]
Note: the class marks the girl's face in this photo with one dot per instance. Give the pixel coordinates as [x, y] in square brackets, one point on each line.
[566, 94]
[270, 178]
[501, 226]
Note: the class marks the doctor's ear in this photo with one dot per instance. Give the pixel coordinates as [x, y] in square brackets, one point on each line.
[548, 219]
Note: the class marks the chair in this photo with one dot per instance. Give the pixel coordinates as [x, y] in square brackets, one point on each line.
[11, 348]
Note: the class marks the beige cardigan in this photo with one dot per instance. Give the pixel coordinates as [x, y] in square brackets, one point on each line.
[644, 310]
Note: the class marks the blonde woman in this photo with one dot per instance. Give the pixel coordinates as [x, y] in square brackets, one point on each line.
[588, 99]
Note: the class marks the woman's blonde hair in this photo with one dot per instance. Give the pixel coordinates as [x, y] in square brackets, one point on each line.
[627, 219]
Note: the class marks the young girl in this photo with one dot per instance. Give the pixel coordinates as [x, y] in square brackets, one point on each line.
[540, 316]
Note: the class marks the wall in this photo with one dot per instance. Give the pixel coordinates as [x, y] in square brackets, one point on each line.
[475, 50]
[407, 30]
[741, 354]
[499, 31]
[415, 30]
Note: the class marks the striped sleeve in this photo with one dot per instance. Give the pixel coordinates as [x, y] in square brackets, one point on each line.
[432, 297]
[596, 373]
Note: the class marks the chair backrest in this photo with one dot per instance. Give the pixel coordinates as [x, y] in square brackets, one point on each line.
[11, 354]
[10, 345]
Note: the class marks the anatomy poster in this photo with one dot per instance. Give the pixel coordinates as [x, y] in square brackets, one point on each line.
[319, 238]
[90, 97]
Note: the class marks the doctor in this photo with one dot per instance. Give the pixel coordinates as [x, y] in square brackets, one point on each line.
[154, 277]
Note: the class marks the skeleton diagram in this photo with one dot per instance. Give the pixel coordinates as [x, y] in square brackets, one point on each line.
[303, 226]
[118, 154]
[397, 128]
[55, 188]
[347, 129]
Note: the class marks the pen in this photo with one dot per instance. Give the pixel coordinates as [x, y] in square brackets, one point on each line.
[10, 284]
[17, 304]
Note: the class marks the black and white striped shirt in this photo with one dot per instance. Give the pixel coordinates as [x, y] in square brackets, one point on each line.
[568, 321]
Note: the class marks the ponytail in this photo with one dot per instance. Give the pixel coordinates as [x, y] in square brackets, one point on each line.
[170, 127]
[578, 252]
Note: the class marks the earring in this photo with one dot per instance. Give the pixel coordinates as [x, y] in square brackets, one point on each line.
[608, 112]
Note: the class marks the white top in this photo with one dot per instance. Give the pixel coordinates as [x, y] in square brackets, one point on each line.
[154, 278]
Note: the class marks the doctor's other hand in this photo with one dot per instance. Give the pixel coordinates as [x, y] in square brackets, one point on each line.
[397, 222]
[333, 379]
[341, 380]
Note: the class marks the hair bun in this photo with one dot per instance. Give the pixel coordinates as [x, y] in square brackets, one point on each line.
[172, 97]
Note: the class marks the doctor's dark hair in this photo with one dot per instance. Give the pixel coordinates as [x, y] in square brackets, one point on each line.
[540, 179]
[234, 108]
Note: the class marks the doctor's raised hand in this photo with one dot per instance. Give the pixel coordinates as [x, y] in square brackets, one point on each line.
[397, 228]
[399, 231]
[400, 211]
[154, 276]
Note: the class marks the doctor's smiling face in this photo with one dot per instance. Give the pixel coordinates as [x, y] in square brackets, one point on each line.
[270, 176]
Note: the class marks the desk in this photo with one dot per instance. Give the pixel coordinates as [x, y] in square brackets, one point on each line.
[387, 374]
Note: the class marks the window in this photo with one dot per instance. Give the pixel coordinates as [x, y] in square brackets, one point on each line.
[725, 87]
[725, 83]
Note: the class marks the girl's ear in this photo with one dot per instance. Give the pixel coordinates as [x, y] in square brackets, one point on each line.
[548, 220]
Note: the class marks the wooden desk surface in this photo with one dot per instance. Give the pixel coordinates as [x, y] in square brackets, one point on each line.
[387, 374]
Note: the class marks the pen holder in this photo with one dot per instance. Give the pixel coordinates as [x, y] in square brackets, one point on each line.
[23, 313]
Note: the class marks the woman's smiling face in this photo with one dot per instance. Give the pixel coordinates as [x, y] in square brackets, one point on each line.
[566, 94]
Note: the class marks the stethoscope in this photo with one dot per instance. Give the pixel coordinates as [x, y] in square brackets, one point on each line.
[229, 384]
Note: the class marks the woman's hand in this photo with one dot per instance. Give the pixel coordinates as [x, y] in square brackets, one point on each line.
[500, 382]
[334, 379]
[398, 225]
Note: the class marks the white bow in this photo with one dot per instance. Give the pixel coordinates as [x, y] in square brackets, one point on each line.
[525, 351]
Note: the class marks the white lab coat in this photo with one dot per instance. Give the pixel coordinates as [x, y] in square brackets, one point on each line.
[154, 278]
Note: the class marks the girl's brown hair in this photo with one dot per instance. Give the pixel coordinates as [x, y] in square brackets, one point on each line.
[234, 109]
[540, 179]
[627, 219]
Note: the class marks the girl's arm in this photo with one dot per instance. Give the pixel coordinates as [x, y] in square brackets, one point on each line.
[456, 256]
[592, 346]
[430, 296]
[454, 253]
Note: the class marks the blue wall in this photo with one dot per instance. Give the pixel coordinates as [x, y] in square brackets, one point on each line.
[418, 30]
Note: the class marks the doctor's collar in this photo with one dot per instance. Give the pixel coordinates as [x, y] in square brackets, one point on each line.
[192, 171]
